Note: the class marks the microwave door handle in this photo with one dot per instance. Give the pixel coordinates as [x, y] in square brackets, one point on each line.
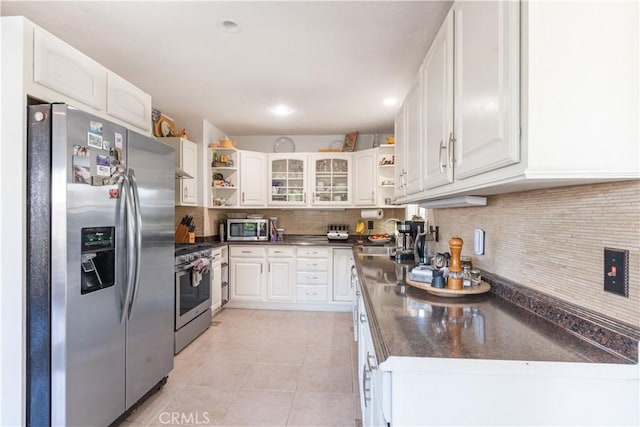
[130, 230]
[138, 239]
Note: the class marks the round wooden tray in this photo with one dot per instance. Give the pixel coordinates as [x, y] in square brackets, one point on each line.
[450, 293]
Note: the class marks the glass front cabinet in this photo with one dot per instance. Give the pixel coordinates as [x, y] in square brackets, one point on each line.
[288, 179]
[331, 179]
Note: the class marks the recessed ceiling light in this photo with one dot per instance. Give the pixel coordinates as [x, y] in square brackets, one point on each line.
[229, 26]
[281, 110]
[390, 102]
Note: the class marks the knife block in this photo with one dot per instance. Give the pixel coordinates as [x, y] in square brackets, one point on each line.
[182, 234]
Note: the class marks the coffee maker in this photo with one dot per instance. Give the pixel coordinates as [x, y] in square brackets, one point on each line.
[408, 232]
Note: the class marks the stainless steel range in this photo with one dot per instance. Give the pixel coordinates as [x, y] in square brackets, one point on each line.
[193, 292]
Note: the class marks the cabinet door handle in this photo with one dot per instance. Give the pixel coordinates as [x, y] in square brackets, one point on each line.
[351, 279]
[363, 318]
[365, 382]
[442, 147]
[372, 196]
[246, 252]
[304, 197]
[452, 141]
[269, 268]
[371, 362]
[260, 268]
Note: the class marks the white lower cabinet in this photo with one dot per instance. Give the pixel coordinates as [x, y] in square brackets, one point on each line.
[370, 377]
[248, 273]
[342, 284]
[282, 273]
[437, 391]
[290, 277]
[216, 279]
[312, 274]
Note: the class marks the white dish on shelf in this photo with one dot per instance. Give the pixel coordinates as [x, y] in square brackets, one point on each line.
[255, 216]
[337, 144]
[284, 144]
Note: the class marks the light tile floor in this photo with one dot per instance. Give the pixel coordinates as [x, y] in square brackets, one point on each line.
[262, 368]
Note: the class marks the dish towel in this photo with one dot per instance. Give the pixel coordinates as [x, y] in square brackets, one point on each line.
[200, 267]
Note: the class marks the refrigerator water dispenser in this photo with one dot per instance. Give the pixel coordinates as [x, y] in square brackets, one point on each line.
[97, 259]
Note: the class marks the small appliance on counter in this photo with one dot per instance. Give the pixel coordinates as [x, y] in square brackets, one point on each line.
[408, 232]
[337, 232]
[247, 229]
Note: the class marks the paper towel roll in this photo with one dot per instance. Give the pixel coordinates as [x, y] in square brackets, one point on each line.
[372, 213]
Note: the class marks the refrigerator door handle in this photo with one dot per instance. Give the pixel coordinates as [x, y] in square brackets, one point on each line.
[125, 190]
[138, 237]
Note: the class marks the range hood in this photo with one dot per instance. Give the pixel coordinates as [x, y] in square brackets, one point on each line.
[455, 202]
[182, 174]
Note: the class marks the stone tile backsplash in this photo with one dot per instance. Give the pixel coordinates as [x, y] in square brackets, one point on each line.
[553, 241]
[298, 221]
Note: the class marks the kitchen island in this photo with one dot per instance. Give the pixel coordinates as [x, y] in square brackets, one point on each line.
[429, 360]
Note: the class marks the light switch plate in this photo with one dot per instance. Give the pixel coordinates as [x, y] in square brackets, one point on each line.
[478, 242]
[616, 271]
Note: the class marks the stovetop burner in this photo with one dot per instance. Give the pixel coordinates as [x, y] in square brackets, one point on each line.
[186, 248]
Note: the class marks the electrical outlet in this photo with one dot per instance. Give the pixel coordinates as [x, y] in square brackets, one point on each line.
[370, 225]
[616, 271]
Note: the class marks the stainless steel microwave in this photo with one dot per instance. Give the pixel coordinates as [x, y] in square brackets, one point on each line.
[247, 229]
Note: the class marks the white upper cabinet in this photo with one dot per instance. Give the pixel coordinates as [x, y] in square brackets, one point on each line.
[437, 111]
[400, 154]
[536, 102]
[414, 140]
[331, 179]
[64, 69]
[61, 73]
[253, 188]
[580, 97]
[187, 160]
[366, 177]
[487, 86]
[127, 102]
[287, 179]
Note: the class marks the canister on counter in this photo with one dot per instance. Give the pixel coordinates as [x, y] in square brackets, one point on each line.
[465, 261]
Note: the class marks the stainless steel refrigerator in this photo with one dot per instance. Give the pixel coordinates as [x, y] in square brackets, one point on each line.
[100, 278]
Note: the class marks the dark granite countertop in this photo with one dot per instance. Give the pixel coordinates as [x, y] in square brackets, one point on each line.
[409, 322]
[292, 240]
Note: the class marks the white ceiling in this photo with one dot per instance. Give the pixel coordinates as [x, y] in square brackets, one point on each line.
[332, 62]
